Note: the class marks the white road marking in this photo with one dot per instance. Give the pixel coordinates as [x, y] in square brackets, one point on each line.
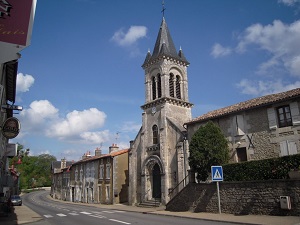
[86, 213]
[48, 216]
[74, 214]
[119, 221]
[60, 214]
[108, 211]
[119, 211]
[98, 216]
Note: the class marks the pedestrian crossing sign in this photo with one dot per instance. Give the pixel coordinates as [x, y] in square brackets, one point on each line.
[217, 173]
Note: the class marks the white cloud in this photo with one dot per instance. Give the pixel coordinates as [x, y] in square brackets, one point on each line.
[96, 137]
[42, 118]
[289, 2]
[37, 114]
[280, 40]
[77, 123]
[133, 34]
[219, 51]
[24, 82]
[131, 126]
[259, 88]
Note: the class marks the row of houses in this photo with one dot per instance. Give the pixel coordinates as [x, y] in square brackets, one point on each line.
[99, 178]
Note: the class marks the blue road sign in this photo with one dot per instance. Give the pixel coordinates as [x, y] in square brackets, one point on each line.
[217, 173]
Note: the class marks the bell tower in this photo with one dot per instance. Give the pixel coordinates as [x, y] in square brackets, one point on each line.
[158, 155]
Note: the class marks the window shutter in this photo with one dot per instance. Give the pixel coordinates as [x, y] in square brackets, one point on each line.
[292, 147]
[240, 124]
[295, 113]
[272, 118]
[283, 148]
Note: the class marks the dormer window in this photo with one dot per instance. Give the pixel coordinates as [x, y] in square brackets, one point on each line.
[284, 116]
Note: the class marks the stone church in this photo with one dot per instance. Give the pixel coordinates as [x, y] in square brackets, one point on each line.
[158, 157]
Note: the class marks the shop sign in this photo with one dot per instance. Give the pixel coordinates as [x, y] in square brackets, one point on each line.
[11, 127]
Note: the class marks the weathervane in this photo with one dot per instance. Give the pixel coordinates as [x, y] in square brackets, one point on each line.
[163, 8]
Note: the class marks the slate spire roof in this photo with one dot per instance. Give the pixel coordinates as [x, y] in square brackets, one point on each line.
[164, 46]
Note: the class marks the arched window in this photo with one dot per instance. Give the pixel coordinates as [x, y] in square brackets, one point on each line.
[153, 88]
[155, 134]
[171, 85]
[158, 86]
[178, 91]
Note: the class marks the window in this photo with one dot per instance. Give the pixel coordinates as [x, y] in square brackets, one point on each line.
[171, 85]
[158, 86]
[153, 88]
[178, 91]
[101, 171]
[107, 172]
[284, 116]
[155, 134]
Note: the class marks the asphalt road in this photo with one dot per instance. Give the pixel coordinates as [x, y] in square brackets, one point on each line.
[54, 213]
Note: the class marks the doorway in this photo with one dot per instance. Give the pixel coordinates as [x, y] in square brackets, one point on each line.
[156, 182]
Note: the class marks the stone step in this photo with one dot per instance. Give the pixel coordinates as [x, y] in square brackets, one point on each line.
[150, 203]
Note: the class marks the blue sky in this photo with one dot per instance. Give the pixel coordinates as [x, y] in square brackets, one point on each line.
[81, 84]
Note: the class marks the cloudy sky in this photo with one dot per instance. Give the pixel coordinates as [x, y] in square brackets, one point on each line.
[81, 84]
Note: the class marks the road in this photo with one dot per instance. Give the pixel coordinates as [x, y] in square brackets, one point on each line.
[54, 213]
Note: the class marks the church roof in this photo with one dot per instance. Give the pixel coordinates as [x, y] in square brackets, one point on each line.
[247, 105]
[164, 46]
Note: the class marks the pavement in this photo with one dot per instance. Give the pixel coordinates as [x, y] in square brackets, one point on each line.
[23, 215]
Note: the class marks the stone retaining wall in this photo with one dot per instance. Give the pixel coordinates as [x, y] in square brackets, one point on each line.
[255, 197]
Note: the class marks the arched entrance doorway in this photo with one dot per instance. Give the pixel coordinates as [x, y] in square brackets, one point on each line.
[156, 182]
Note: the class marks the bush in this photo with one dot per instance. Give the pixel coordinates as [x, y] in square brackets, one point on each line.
[268, 169]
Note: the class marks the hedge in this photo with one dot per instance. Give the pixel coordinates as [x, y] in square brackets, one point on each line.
[267, 169]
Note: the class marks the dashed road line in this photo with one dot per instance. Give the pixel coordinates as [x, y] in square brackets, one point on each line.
[119, 221]
[60, 214]
[48, 216]
[97, 216]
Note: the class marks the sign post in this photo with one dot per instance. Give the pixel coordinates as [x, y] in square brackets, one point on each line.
[217, 175]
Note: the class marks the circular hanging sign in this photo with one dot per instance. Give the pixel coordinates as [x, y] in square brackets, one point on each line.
[11, 127]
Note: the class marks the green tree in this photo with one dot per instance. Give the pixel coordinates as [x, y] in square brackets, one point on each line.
[208, 147]
[37, 168]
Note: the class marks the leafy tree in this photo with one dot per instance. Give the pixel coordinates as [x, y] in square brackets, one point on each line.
[37, 168]
[208, 147]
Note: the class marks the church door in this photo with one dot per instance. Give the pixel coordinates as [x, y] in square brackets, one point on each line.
[156, 182]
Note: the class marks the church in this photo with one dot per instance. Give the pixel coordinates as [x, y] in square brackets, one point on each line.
[158, 156]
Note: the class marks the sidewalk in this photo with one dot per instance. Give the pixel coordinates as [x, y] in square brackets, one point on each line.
[24, 215]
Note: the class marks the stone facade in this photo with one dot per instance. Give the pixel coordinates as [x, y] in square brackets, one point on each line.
[252, 197]
[102, 178]
[254, 133]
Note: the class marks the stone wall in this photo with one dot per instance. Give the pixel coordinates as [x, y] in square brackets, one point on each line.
[253, 197]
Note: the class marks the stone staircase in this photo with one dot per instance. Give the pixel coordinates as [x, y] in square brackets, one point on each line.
[150, 203]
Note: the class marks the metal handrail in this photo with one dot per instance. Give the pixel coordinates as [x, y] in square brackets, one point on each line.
[184, 184]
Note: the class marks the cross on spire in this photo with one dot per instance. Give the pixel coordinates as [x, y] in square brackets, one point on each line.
[163, 8]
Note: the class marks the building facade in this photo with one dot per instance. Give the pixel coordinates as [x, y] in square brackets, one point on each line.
[157, 158]
[102, 178]
[260, 128]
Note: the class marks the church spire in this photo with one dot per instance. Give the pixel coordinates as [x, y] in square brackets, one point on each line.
[164, 46]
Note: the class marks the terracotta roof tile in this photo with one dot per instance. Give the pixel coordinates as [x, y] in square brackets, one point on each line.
[91, 158]
[250, 104]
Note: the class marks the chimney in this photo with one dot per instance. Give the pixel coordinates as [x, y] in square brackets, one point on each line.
[84, 156]
[113, 148]
[98, 152]
[63, 163]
